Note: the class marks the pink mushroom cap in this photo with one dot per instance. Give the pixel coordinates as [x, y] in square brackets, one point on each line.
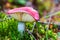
[28, 10]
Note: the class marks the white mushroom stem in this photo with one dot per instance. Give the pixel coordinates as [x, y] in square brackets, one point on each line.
[21, 27]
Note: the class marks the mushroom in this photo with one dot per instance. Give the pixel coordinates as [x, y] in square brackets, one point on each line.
[24, 14]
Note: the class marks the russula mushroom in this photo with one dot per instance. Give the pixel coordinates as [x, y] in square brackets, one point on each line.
[24, 14]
